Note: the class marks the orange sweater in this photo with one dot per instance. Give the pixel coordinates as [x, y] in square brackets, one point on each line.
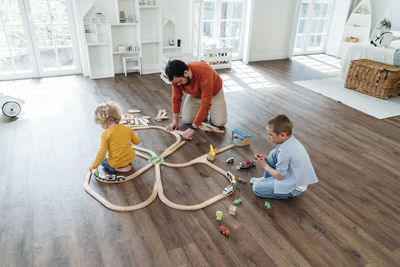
[205, 83]
[117, 141]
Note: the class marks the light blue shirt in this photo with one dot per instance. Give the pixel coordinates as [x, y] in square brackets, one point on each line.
[294, 164]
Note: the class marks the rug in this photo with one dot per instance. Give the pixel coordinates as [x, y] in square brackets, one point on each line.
[334, 88]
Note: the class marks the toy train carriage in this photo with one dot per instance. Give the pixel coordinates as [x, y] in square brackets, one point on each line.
[240, 138]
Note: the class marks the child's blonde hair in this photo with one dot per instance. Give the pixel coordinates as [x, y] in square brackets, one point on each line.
[107, 112]
[281, 123]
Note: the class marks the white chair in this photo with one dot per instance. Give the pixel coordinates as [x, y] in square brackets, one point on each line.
[130, 64]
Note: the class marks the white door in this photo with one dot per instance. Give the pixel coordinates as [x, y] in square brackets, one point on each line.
[36, 39]
[223, 20]
[311, 26]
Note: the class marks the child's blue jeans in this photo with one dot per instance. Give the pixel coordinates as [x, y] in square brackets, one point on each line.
[104, 163]
[265, 187]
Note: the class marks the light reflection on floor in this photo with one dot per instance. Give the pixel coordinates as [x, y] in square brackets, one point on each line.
[320, 62]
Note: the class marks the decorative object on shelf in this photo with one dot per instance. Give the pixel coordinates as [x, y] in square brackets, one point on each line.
[131, 19]
[171, 42]
[387, 24]
[362, 10]
[143, 2]
[179, 42]
[122, 48]
[352, 39]
[122, 18]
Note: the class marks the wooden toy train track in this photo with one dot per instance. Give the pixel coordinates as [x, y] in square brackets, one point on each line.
[156, 161]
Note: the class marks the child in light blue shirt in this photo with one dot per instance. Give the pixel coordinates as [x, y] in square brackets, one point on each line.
[288, 169]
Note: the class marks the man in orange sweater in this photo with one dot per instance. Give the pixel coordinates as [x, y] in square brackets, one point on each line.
[203, 86]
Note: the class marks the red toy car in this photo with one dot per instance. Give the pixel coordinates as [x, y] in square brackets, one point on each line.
[245, 165]
[224, 230]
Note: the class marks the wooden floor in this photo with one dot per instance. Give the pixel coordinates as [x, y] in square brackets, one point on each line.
[350, 218]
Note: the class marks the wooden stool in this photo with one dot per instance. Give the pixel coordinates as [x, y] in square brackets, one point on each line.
[136, 64]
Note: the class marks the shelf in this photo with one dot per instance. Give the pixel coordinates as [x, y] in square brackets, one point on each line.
[125, 24]
[171, 47]
[148, 7]
[125, 53]
[97, 43]
[150, 41]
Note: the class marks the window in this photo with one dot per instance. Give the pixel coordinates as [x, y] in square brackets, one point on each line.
[311, 27]
[35, 39]
[223, 22]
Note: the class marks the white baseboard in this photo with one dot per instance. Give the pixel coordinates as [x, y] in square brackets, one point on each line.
[274, 56]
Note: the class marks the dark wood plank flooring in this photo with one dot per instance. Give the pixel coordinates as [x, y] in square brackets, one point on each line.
[350, 218]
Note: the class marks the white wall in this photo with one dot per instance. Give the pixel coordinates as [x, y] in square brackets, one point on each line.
[271, 29]
[378, 9]
[178, 11]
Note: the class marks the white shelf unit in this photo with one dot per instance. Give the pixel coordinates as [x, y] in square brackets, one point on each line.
[357, 26]
[125, 33]
[98, 44]
[151, 37]
[218, 58]
[168, 34]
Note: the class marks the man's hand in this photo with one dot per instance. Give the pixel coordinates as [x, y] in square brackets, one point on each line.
[260, 160]
[172, 126]
[188, 133]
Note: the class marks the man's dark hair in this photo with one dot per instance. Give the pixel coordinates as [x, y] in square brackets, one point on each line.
[175, 68]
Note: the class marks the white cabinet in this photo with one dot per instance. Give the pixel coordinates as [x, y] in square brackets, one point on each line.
[98, 44]
[357, 28]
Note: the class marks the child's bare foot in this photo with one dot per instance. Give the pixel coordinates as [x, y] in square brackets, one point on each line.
[124, 169]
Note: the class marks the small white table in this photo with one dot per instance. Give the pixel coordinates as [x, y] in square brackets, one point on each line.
[131, 64]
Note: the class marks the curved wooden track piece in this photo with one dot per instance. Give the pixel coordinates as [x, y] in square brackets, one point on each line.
[158, 187]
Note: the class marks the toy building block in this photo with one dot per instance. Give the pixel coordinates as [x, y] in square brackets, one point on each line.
[232, 210]
[132, 111]
[209, 128]
[230, 160]
[161, 115]
[237, 202]
[241, 180]
[267, 205]
[219, 215]
[240, 138]
[224, 231]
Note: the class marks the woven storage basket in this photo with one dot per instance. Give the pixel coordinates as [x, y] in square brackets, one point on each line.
[373, 78]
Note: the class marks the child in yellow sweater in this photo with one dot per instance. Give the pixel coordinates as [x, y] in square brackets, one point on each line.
[115, 140]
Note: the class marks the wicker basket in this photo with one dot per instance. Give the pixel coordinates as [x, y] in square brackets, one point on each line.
[373, 78]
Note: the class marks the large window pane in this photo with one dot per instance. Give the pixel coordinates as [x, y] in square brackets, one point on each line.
[44, 35]
[40, 11]
[3, 40]
[299, 42]
[230, 29]
[58, 11]
[321, 26]
[208, 29]
[9, 12]
[304, 10]
[302, 26]
[234, 43]
[16, 36]
[62, 35]
[314, 26]
[22, 60]
[66, 57]
[5, 62]
[48, 57]
[208, 12]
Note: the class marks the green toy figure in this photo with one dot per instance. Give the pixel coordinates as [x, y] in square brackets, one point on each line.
[237, 202]
[219, 215]
[267, 205]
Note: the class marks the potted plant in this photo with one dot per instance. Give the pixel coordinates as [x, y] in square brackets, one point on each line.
[387, 24]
